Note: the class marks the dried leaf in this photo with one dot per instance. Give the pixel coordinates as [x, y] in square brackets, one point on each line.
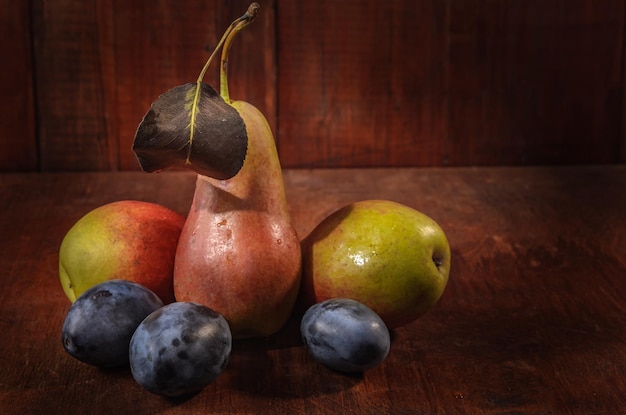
[194, 129]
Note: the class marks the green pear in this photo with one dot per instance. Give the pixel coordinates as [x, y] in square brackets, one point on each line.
[388, 256]
[129, 240]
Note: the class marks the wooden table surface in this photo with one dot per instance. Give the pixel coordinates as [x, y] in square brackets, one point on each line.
[533, 320]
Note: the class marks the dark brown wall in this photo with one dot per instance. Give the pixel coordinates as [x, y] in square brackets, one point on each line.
[343, 83]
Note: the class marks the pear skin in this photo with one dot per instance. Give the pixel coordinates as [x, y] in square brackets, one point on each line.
[383, 254]
[238, 252]
[127, 239]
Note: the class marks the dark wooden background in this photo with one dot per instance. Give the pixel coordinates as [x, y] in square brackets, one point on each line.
[343, 83]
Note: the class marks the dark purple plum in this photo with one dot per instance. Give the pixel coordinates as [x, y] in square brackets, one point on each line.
[100, 323]
[179, 349]
[345, 335]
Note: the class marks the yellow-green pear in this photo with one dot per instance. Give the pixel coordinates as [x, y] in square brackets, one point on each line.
[388, 256]
[128, 239]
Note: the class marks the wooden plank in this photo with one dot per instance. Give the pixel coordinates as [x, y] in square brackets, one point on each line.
[71, 98]
[532, 320]
[402, 83]
[360, 83]
[534, 82]
[161, 45]
[468, 82]
[621, 150]
[18, 145]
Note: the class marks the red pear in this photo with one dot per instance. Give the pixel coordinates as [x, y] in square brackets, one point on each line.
[238, 252]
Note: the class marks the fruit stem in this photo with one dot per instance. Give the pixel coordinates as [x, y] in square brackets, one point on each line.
[224, 42]
[234, 28]
[248, 16]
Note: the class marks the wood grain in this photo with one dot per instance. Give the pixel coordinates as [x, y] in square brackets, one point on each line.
[361, 83]
[545, 75]
[367, 83]
[472, 82]
[532, 320]
[18, 142]
[72, 101]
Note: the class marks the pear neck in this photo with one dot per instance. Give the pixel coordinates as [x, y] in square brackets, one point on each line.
[259, 183]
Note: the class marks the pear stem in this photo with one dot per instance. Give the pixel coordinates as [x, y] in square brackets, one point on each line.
[234, 28]
[219, 45]
[224, 42]
[249, 16]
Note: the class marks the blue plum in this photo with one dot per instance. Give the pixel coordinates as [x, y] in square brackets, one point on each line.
[100, 323]
[179, 349]
[345, 335]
